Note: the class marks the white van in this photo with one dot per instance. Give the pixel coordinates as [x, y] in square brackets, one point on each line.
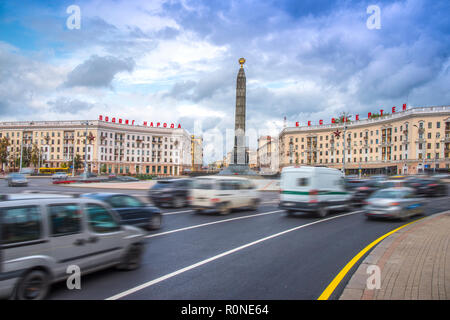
[222, 194]
[313, 189]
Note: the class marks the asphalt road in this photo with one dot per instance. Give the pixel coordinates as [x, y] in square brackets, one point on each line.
[247, 254]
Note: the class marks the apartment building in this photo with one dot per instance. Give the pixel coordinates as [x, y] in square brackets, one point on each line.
[106, 146]
[411, 141]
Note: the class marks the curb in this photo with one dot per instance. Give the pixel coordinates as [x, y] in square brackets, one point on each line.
[356, 288]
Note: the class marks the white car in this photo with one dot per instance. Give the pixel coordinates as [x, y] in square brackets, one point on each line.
[313, 189]
[59, 176]
[222, 194]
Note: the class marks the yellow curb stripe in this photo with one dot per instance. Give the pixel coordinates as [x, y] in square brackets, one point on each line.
[332, 286]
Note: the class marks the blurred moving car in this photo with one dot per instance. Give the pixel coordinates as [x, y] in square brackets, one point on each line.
[130, 209]
[222, 194]
[173, 192]
[313, 189]
[362, 189]
[59, 176]
[126, 179]
[17, 180]
[396, 202]
[429, 187]
[41, 236]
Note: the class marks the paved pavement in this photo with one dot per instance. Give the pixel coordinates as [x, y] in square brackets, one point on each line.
[414, 264]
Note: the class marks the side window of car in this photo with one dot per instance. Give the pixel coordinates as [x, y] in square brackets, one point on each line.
[100, 219]
[131, 202]
[65, 219]
[20, 224]
[116, 202]
[226, 185]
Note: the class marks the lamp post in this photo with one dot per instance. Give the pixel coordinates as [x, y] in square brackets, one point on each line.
[422, 162]
[344, 117]
[85, 148]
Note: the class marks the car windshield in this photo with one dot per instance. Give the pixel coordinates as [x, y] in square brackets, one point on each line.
[162, 184]
[389, 194]
[17, 176]
[205, 184]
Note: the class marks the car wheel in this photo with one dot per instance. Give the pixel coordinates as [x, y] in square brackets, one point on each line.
[223, 208]
[33, 286]
[322, 212]
[132, 258]
[155, 222]
[290, 213]
[254, 205]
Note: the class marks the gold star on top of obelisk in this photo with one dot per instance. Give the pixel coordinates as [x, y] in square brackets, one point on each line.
[242, 61]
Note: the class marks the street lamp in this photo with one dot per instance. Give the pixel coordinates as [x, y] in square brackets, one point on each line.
[85, 148]
[344, 117]
[422, 162]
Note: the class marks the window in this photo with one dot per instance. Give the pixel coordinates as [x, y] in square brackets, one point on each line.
[100, 220]
[438, 124]
[430, 124]
[20, 224]
[65, 219]
[302, 182]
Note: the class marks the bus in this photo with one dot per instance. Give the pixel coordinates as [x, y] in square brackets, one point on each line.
[50, 171]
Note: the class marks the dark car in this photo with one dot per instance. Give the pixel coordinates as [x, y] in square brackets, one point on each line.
[428, 187]
[362, 189]
[131, 210]
[171, 192]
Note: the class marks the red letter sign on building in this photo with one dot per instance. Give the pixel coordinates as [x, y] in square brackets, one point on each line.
[309, 123]
[357, 117]
[297, 124]
[320, 122]
[404, 107]
[106, 119]
[381, 112]
[369, 115]
[100, 117]
[333, 120]
[393, 109]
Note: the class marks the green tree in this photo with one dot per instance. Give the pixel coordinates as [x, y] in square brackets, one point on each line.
[34, 159]
[4, 144]
[78, 162]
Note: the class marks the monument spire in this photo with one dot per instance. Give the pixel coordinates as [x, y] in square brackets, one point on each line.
[239, 159]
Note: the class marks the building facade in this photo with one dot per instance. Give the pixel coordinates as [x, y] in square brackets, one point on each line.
[267, 155]
[196, 153]
[108, 148]
[407, 142]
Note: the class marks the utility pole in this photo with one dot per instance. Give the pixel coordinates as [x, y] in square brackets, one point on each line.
[85, 148]
[344, 117]
[21, 154]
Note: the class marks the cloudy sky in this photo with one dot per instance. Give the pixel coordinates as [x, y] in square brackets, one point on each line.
[176, 61]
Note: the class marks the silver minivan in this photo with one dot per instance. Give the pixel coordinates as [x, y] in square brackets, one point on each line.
[41, 236]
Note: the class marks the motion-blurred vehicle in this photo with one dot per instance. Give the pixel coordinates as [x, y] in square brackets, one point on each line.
[313, 189]
[222, 194]
[17, 180]
[428, 187]
[131, 210]
[41, 236]
[362, 189]
[402, 203]
[171, 192]
[59, 176]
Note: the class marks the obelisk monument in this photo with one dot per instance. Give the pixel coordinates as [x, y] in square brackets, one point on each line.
[239, 151]
[239, 158]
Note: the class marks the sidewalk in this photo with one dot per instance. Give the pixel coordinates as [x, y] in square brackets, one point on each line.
[414, 264]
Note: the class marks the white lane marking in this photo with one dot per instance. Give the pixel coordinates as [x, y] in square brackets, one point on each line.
[223, 254]
[175, 212]
[210, 223]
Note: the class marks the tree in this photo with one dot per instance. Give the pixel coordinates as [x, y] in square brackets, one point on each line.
[78, 162]
[34, 159]
[4, 144]
[103, 168]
